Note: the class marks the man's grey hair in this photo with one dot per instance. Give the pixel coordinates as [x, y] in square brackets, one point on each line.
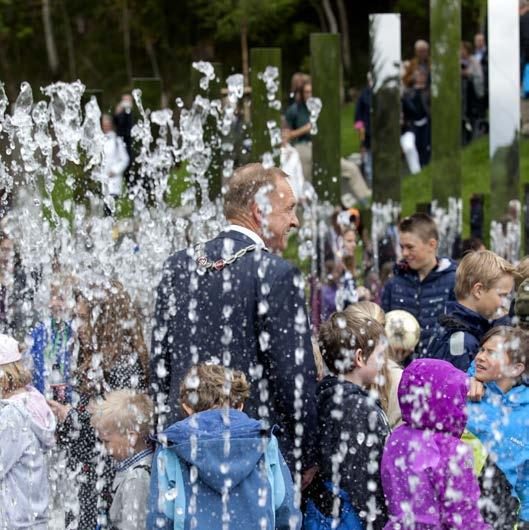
[244, 184]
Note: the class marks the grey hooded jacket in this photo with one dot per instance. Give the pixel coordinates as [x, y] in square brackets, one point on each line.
[26, 433]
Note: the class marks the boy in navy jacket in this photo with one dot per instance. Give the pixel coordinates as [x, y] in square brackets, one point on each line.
[422, 283]
[484, 282]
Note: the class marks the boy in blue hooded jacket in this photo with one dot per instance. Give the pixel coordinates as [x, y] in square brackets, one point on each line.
[499, 418]
[217, 468]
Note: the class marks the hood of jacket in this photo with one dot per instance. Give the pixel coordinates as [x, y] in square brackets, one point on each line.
[326, 390]
[457, 317]
[444, 266]
[222, 445]
[432, 396]
[40, 419]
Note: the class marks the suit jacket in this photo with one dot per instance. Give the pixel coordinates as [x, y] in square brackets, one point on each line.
[250, 315]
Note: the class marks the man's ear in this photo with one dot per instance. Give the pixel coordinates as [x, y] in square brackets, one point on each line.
[256, 213]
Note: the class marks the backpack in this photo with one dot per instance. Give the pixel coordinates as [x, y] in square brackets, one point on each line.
[318, 512]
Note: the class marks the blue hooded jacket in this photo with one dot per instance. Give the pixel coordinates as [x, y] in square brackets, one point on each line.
[425, 299]
[240, 476]
[501, 422]
[458, 336]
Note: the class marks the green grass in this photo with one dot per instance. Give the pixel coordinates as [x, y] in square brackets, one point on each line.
[350, 141]
[475, 179]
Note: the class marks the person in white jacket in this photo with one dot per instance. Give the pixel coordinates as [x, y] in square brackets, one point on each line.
[115, 162]
[27, 428]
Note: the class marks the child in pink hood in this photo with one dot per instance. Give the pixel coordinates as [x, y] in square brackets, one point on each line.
[27, 428]
[426, 470]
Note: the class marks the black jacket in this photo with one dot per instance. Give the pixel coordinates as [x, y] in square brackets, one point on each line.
[352, 425]
[250, 315]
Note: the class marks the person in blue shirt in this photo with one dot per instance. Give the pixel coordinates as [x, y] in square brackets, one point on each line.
[218, 468]
[51, 346]
[484, 282]
[499, 418]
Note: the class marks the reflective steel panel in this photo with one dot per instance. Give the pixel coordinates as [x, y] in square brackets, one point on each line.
[445, 41]
[384, 32]
[504, 102]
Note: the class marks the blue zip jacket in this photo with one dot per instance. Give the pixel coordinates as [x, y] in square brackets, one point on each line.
[232, 464]
[425, 299]
[458, 336]
[42, 335]
[501, 422]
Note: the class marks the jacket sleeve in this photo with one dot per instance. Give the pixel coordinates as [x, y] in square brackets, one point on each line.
[458, 491]
[134, 497]
[470, 347]
[522, 490]
[288, 361]
[121, 157]
[13, 443]
[367, 432]
[160, 364]
[386, 297]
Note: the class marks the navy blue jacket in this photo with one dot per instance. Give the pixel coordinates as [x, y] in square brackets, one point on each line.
[459, 334]
[250, 315]
[425, 300]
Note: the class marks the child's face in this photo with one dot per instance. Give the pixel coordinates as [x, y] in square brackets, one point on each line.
[57, 303]
[374, 363]
[492, 361]
[119, 445]
[349, 243]
[494, 302]
[417, 253]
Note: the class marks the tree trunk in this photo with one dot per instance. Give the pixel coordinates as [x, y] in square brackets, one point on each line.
[331, 19]
[346, 44]
[321, 17]
[69, 41]
[126, 40]
[149, 48]
[244, 52]
[7, 72]
[51, 49]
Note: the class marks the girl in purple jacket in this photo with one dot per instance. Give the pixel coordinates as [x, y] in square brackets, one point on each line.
[426, 470]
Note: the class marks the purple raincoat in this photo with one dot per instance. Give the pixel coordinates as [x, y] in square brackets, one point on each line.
[426, 470]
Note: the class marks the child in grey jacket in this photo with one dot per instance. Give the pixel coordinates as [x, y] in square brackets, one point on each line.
[123, 421]
[27, 428]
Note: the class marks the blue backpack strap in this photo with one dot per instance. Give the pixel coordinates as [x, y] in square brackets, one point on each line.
[171, 491]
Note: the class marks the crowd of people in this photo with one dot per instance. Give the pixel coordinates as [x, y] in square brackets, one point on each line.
[415, 99]
[401, 408]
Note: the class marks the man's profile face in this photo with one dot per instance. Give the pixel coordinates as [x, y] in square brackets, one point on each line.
[282, 218]
[307, 92]
[479, 41]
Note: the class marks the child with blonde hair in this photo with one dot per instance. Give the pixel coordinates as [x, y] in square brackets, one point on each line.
[484, 283]
[123, 421]
[27, 429]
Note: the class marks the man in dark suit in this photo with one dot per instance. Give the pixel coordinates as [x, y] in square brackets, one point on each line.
[235, 301]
